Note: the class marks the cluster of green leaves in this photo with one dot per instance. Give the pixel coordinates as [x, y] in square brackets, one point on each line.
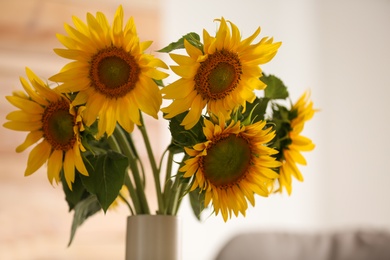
[90, 194]
[186, 138]
[279, 115]
[108, 168]
[255, 111]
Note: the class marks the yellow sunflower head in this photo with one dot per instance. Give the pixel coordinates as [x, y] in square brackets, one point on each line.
[232, 165]
[110, 73]
[221, 76]
[295, 143]
[50, 117]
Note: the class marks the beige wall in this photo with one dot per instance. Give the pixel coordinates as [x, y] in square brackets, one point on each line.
[340, 50]
[34, 219]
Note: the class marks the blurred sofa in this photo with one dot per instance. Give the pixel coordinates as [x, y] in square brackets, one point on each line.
[340, 245]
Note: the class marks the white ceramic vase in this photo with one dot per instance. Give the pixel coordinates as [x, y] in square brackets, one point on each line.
[153, 237]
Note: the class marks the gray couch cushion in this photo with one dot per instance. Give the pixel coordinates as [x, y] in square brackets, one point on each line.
[346, 245]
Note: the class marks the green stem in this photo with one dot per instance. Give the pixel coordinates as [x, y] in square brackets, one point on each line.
[127, 203]
[133, 195]
[177, 195]
[169, 166]
[168, 186]
[113, 143]
[153, 164]
[126, 148]
[135, 153]
[181, 187]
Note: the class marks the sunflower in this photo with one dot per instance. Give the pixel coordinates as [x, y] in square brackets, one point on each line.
[232, 165]
[222, 76]
[291, 153]
[50, 117]
[110, 73]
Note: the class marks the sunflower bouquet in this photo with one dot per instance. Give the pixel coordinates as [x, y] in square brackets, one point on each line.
[232, 136]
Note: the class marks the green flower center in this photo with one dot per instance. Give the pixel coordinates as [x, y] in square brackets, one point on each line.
[227, 161]
[114, 72]
[218, 75]
[57, 126]
[221, 77]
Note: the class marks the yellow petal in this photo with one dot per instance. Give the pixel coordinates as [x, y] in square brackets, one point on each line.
[31, 139]
[69, 168]
[245, 43]
[23, 126]
[185, 71]
[80, 99]
[82, 36]
[296, 156]
[93, 107]
[147, 96]
[79, 161]
[181, 59]
[73, 54]
[37, 157]
[32, 93]
[192, 50]
[154, 73]
[294, 169]
[130, 105]
[54, 166]
[145, 45]
[107, 116]
[193, 115]
[25, 104]
[23, 116]
[178, 89]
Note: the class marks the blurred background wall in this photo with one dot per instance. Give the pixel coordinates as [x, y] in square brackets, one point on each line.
[337, 49]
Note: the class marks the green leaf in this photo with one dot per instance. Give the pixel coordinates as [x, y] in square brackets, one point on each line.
[192, 38]
[182, 137]
[275, 87]
[83, 210]
[258, 108]
[77, 193]
[197, 199]
[106, 177]
[282, 125]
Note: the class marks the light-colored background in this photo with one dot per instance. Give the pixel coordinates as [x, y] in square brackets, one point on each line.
[338, 49]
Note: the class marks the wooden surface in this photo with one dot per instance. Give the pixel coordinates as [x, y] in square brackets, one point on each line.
[34, 218]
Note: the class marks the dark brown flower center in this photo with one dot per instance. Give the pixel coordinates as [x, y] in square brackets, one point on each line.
[57, 125]
[218, 75]
[114, 72]
[227, 160]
